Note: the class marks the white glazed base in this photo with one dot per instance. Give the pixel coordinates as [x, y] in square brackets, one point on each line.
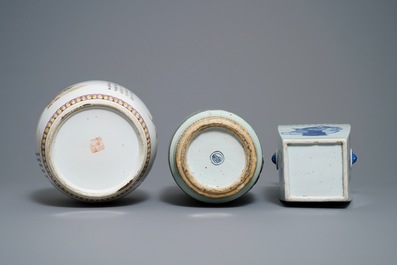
[216, 158]
[317, 173]
[96, 141]
[96, 152]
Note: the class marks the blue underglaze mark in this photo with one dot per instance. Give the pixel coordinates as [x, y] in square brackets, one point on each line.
[217, 158]
[320, 130]
[354, 158]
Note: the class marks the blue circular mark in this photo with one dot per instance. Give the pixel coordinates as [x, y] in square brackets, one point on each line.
[354, 158]
[217, 158]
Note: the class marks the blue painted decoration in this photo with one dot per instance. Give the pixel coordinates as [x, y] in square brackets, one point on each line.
[320, 130]
[217, 158]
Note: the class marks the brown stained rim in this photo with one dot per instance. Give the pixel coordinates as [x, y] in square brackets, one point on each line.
[215, 122]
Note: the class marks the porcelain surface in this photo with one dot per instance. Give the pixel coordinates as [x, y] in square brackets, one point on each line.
[215, 156]
[96, 141]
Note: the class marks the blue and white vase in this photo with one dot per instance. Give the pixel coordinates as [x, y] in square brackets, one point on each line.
[314, 162]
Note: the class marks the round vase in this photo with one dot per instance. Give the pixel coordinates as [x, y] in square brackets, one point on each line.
[215, 156]
[96, 141]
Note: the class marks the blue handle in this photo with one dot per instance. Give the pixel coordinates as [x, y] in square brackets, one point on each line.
[354, 158]
[274, 159]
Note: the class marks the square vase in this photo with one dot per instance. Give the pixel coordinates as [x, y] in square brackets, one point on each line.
[314, 163]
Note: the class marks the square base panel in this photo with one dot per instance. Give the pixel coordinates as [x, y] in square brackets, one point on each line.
[315, 171]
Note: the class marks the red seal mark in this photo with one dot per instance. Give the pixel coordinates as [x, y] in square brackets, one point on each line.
[96, 145]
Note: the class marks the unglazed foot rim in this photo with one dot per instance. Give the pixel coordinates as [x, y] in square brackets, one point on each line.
[236, 129]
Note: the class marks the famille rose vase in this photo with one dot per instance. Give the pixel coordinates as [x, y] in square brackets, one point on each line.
[96, 141]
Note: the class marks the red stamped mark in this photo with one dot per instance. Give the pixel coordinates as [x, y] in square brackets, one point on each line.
[96, 145]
